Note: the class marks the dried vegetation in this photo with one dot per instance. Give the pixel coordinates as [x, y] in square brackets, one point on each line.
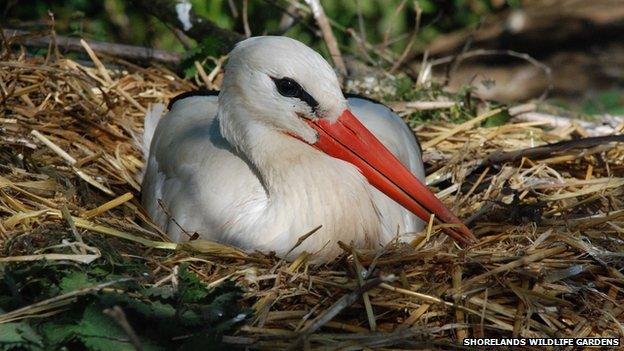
[551, 228]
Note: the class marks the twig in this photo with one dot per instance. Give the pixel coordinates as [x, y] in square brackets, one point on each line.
[459, 314]
[361, 274]
[128, 52]
[421, 105]
[72, 226]
[514, 264]
[386, 36]
[342, 303]
[96, 61]
[464, 126]
[328, 35]
[361, 27]
[233, 8]
[108, 205]
[27, 311]
[119, 316]
[410, 42]
[607, 125]
[552, 149]
[71, 162]
[180, 14]
[203, 75]
[246, 19]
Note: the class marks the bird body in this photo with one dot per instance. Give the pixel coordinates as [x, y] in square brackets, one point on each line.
[252, 167]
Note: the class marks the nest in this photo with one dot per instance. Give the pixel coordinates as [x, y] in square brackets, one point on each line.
[551, 227]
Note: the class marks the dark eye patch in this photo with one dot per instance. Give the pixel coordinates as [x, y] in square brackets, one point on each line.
[288, 87]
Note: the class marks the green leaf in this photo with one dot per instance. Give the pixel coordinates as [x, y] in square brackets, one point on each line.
[192, 289]
[163, 292]
[74, 281]
[19, 335]
[146, 308]
[57, 333]
[100, 332]
[497, 120]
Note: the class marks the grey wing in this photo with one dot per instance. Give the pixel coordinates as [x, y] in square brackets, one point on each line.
[189, 171]
[169, 168]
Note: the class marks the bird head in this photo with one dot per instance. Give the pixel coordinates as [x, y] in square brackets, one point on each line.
[282, 83]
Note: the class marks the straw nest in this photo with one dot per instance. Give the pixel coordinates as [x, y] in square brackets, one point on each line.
[550, 227]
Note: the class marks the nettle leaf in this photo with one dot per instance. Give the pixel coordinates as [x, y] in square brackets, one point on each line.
[161, 317]
[57, 333]
[19, 335]
[162, 292]
[100, 332]
[74, 281]
[147, 309]
[222, 307]
[192, 290]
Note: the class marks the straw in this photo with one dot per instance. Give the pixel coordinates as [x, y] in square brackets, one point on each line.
[550, 227]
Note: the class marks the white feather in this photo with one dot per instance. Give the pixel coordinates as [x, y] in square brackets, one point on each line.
[224, 167]
[152, 117]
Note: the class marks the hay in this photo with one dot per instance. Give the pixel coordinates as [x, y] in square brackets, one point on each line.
[548, 262]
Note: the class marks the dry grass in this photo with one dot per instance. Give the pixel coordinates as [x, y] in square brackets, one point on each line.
[548, 263]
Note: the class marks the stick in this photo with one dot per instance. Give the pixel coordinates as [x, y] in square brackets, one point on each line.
[464, 126]
[27, 311]
[328, 35]
[108, 206]
[180, 14]
[119, 316]
[128, 52]
[549, 150]
[342, 303]
[540, 255]
[64, 155]
[457, 59]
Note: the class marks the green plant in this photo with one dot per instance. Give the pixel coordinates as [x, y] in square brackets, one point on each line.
[163, 317]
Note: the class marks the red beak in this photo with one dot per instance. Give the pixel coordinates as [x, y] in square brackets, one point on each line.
[348, 140]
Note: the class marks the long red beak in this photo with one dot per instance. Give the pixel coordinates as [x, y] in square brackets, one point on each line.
[348, 140]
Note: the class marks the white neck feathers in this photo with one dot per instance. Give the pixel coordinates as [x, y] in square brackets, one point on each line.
[305, 188]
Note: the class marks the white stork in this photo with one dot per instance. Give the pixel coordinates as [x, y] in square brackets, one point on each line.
[281, 151]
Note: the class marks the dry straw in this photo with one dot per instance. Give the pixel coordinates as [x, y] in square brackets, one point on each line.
[551, 228]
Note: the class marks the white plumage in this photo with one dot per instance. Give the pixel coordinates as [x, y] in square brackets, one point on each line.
[240, 168]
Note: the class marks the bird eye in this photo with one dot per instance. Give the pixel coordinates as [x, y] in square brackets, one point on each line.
[288, 87]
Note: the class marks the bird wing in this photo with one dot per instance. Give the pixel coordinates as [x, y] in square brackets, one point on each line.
[191, 165]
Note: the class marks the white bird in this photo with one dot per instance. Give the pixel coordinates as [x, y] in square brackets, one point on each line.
[281, 151]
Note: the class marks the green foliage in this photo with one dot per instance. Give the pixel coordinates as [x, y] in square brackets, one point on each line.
[120, 21]
[19, 336]
[74, 281]
[498, 119]
[198, 53]
[162, 317]
[611, 102]
[406, 90]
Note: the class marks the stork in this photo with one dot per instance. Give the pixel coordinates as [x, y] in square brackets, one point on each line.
[280, 151]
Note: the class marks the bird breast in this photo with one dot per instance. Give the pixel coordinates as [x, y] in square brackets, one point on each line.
[305, 188]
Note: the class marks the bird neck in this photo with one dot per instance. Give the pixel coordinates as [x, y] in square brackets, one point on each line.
[277, 158]
[285, 164]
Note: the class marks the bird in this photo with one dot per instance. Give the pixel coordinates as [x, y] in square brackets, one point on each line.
[280, 151]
